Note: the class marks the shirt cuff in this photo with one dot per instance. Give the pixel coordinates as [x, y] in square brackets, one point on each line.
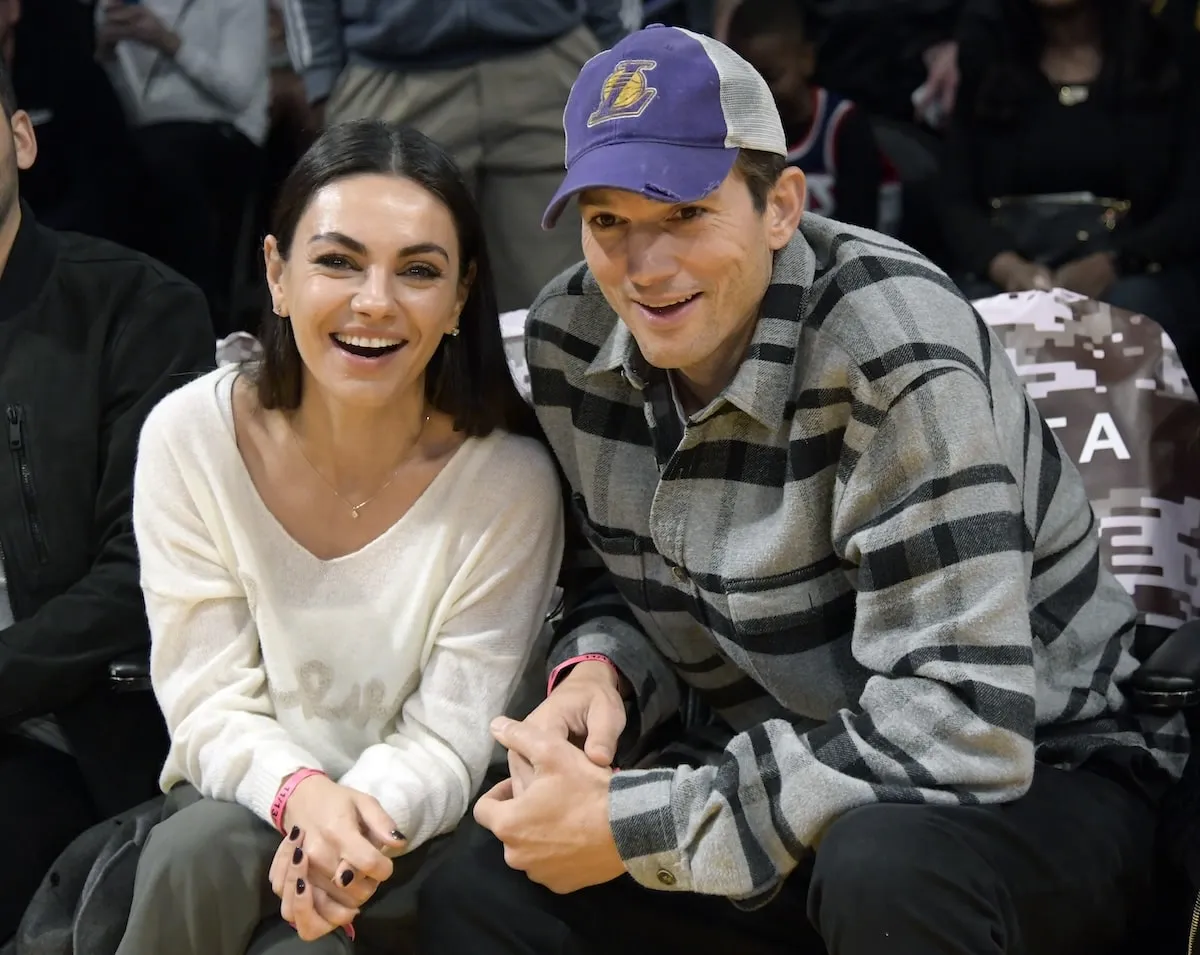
[643, 828]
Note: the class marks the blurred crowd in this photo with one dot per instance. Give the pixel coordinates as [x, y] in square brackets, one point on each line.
[1019, 143]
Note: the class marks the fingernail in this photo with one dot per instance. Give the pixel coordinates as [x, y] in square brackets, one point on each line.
[397, 835]
[294, 834]
[300, 886]
[297, 856]
[347, 877]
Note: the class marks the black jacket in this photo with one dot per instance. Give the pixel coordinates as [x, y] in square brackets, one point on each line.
[92, 336]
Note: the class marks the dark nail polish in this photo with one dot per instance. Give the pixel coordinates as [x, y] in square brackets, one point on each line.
[347, 877]
[297, 856]
[300, 886]
[294, 834]
[397, 835]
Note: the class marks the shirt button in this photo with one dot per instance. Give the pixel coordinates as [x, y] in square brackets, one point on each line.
[666, 877]
[679, 574]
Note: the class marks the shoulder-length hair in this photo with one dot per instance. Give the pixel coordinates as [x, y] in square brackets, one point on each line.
[468, 376]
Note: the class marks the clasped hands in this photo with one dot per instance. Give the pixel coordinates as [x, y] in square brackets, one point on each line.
[552, 811]
[1091, 275]
[133, 21]
[338, 850]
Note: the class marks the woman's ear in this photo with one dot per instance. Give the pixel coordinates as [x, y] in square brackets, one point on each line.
[275, 264]
[464, 291]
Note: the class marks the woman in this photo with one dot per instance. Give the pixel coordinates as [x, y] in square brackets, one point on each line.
[346, 552]
[1072, 160]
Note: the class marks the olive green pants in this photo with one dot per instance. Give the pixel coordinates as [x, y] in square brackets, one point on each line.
[202, 889]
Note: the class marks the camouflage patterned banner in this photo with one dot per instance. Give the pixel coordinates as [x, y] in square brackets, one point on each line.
[1110, 384]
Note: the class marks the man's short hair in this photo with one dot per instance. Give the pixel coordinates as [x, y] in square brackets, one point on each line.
[761, 170]
[8, 95]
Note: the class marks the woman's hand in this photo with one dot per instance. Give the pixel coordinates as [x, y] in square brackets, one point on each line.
[1015, 274]
[308, 908]
[1093, 275]
[347, 836]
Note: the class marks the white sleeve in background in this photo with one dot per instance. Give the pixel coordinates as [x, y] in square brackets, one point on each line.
[232, 72]
[205, 663]
[429, 766]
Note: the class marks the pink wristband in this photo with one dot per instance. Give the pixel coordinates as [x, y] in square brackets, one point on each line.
[582, 658]
[279, 803]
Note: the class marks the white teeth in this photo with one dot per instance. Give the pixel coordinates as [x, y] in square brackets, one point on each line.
[359, 342]
[678, 301]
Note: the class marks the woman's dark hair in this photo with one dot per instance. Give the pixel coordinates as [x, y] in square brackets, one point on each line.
[1141, 64]
[467, 377]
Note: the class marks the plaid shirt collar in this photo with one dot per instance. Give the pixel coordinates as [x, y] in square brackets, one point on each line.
[763, 383]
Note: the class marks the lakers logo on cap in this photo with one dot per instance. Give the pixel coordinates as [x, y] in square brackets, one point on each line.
[626, 93]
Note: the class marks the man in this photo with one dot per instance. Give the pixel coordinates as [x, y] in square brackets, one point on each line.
[91, 337]
[487, 80]
[87, 171]
[819, 500]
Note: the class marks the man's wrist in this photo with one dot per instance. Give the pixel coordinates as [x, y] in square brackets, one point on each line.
[588, 666]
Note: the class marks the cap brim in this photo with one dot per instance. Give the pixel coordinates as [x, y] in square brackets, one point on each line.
[663, 172]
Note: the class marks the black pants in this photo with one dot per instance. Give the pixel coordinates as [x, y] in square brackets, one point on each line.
[203, 177]
[44, 805]
[1066, 869]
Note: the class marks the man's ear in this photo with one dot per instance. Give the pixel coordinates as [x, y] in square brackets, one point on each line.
[24, 139]
[785, 206]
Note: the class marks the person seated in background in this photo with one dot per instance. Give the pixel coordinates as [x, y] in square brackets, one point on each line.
[193, 79]
[91, 337]
[87, 168]
[825, 521]
[486, 78]
[829, 138]
[1072, 161]
[347, 552]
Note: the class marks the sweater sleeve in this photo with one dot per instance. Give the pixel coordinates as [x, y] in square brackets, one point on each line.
[236, 69]
[429, 766]
[205, 662]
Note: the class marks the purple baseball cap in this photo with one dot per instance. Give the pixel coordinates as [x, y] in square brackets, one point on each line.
[663, 114]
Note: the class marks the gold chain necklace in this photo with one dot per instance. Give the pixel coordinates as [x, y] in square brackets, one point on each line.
[354, 508]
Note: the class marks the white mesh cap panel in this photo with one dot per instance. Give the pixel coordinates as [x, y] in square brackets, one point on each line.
[751, 118]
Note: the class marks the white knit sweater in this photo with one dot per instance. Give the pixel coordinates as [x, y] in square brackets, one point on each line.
[383, 667]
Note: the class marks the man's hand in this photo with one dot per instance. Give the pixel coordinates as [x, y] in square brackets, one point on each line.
[586, 710]
[124, 21]
[347, 837]
[1093, 275]
[557, 830]
[1015, 274]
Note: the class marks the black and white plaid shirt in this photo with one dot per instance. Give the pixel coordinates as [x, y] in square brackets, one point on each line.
[869, 555]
